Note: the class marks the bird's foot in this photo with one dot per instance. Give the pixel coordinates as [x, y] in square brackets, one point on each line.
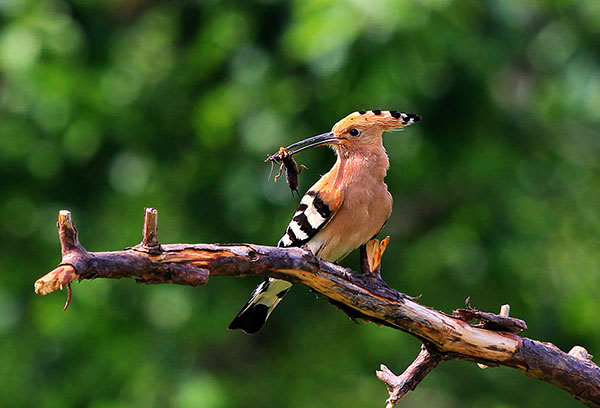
[370, 258]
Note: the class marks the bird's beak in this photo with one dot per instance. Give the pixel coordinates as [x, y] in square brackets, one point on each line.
[320, 140]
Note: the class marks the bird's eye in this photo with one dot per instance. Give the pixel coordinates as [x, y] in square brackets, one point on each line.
[354, 132]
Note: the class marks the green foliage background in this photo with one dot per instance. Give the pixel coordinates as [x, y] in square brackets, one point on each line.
[110, 106]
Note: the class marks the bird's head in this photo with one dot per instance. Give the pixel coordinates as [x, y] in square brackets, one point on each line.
[359, 131]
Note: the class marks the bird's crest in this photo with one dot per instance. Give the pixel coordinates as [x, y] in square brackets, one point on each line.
[385, 120]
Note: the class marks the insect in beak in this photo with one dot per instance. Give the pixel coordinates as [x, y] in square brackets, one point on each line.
[284, 156]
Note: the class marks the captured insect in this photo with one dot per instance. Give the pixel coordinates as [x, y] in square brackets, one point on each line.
[292, 170]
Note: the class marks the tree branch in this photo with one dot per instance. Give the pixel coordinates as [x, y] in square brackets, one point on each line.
[400, 385]
[369, 298]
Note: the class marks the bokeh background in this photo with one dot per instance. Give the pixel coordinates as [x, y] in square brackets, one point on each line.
[110, 106]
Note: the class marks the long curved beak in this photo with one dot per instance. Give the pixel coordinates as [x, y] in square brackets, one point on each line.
[320, 140]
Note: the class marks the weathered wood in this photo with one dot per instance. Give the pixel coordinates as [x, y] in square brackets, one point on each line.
[150, 228]
[491, 321]
[400, 385]
[368, 298]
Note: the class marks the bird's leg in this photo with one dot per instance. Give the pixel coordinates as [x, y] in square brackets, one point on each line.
[370, 257]
[365, 268]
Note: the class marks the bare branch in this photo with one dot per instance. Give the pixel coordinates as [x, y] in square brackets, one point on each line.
[400, 385]
[364, 296]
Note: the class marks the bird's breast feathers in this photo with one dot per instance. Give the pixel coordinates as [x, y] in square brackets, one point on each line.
[333, 224]
[360, 217]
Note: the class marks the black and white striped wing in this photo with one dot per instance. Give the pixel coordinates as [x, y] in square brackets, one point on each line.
[311, 216]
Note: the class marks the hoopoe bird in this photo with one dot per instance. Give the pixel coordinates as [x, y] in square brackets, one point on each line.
[347, 207]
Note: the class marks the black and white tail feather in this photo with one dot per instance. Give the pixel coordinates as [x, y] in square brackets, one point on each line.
[310, 217]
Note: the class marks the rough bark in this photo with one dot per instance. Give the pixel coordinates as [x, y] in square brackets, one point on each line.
[400, 385]
[365, 296]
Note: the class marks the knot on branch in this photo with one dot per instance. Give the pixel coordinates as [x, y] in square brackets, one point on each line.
[580, 353]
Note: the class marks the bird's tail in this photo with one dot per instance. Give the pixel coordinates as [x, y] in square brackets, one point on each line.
[264, 299]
